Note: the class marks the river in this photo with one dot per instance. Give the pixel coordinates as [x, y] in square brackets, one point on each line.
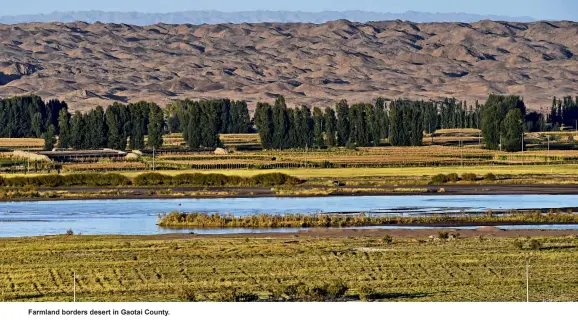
[139, 217]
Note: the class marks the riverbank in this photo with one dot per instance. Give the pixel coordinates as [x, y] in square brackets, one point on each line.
[364, 265]
[87, 193]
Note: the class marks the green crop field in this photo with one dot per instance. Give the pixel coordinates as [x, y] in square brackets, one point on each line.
[112, 268]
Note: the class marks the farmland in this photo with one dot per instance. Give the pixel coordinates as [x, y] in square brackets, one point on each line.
[449, 150]
[372, 266]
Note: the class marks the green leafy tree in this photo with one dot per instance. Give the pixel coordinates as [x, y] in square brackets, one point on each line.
[492, 127]
[264, 124]
[514, 130]
[155, 127]
[343, 127]
[49, 138]
[115, 117]
[281, 124]
[209, 126]
[77, 131]
[65, 136]
[330, 127]
[318, 127]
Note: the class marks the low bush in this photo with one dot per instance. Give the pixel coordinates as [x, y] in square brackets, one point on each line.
[490, 177]
[535, 245]
[366, 293]
[187, 294]
[453, 177]
[529, 244]
[336, 289]
[388, 239]
[443, 235]
[439, 179]
[152, 179]
[470, 177]
[273, 179]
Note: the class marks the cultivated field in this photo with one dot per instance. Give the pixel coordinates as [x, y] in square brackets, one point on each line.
[453, 151]
[112, 268]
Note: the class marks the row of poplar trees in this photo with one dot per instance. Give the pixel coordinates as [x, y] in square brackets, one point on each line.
[121, 126]
[112, 128]
[564, 111]
[201, 122]
[281, 127]
[402, 121]
[29, 116]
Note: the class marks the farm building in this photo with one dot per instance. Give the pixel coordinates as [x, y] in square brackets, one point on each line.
[83, 155]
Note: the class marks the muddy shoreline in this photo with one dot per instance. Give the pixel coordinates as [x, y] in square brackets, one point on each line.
[323, 233]
[92, 193]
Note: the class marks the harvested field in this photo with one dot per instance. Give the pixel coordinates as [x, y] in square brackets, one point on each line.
[185, 267]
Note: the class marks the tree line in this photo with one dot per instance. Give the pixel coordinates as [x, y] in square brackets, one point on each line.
[201, 122]
[564, 111]
[403, 122]
[122, 125]
[29, 116]
[502, 119]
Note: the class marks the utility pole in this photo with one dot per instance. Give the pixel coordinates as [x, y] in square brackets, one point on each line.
[28, 160]
[461, 152]
[527, 279]
[153, 158]
[500, 142]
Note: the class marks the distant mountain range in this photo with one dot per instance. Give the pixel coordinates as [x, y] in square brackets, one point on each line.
[216, 17]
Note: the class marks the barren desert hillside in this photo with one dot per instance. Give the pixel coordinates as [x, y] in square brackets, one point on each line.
[96, 64]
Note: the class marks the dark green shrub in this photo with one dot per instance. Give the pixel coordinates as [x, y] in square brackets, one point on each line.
[439, 179]
[490, 177]
[470, 177]
[453, 177]
[325, 164]
[246, 297]
[215, 180]
[273, 179]
[292, 291]
[336, 289]
[535, 245]
[443, 235]
[366, 292]
[318, 293]
[388, 239]
[187, 294]
[151, 179]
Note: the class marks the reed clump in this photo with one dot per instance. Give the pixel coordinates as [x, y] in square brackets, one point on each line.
[216, 220]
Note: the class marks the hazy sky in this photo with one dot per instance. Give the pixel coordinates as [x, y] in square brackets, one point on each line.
[541, 9]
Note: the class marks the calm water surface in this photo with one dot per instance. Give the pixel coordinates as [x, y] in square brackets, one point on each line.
[136, 217]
